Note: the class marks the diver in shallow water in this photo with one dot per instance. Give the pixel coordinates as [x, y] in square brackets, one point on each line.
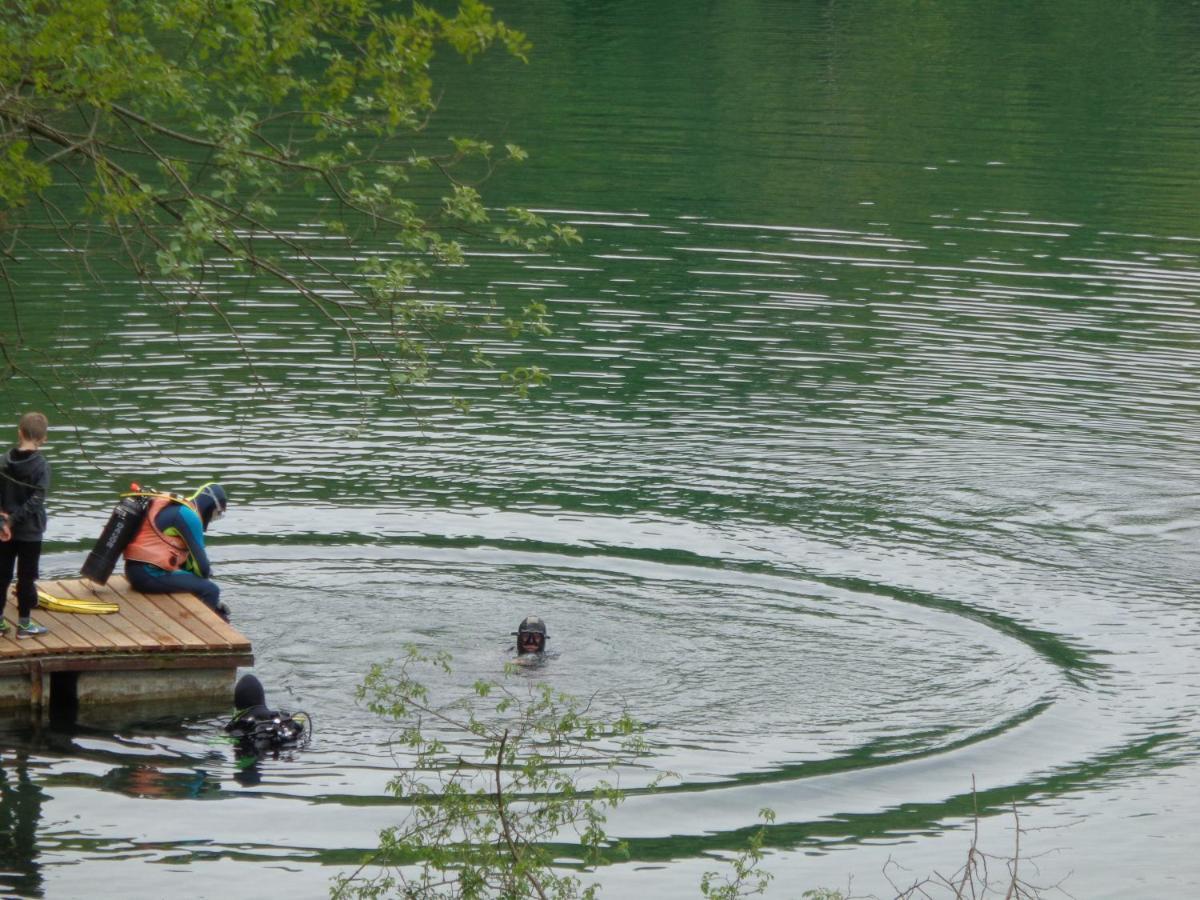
[531, 641]
[259, 729]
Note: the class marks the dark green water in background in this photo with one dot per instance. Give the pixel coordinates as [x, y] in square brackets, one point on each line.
[869, 465]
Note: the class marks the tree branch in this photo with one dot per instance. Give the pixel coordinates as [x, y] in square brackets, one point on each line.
[504, 823]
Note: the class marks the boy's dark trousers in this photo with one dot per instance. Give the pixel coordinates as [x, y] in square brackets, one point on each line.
[26, 555]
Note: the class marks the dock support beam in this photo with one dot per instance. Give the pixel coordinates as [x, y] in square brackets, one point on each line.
[37, 685]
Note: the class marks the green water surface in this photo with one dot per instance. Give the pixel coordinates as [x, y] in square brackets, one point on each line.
[867, 470]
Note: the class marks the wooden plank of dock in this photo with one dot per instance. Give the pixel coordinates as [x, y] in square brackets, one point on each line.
[148, 631]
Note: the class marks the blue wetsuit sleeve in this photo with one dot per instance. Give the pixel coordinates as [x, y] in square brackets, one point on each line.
[190, 528]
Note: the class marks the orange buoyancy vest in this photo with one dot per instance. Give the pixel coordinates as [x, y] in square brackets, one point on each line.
[150, 545]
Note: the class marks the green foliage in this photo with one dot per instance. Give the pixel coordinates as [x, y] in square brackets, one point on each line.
[507, 792]
[19, 175]
[494, 784]
[162, 135]
[746, 879]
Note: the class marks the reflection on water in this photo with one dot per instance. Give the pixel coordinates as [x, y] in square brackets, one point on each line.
[21, 799]
[868, 466]
[148, 781]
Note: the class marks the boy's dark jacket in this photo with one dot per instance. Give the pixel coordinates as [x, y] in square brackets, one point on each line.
[24, 482]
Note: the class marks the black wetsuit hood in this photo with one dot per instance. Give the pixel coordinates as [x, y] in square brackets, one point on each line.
[210, 498]
[260, 729]
[249, 694]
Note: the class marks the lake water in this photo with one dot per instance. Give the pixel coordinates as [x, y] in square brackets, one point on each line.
[867, 472]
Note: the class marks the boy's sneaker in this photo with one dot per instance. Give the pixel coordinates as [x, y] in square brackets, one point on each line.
[33, 629]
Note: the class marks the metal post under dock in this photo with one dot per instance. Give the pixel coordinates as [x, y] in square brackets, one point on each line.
[154, 647]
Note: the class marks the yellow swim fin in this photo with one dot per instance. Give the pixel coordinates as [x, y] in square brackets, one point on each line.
[67, 605]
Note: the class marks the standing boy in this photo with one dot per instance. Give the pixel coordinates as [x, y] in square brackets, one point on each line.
[24, 481]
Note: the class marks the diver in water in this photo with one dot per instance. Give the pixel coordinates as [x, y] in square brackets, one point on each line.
[531, 641]
[259, 729]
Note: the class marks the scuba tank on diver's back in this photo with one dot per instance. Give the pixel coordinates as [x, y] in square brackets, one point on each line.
[122, 525]
[258, 729]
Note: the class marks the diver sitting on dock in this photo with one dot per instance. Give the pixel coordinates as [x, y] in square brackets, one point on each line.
[167, 554]
[259, 729]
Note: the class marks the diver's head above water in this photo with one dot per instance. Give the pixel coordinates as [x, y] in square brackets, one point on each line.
[249, 694]
[531, 636]
[258, 729]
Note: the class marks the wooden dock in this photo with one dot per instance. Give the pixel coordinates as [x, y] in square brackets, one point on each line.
[157, 646]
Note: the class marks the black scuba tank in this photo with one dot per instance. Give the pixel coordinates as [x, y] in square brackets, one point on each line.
[122, 525]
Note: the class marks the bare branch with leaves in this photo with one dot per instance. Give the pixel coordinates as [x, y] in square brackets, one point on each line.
[169, 137]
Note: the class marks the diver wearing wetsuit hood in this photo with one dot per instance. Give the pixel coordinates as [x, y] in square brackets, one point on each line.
[260, 729]
[531, 641]
[167, 554]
